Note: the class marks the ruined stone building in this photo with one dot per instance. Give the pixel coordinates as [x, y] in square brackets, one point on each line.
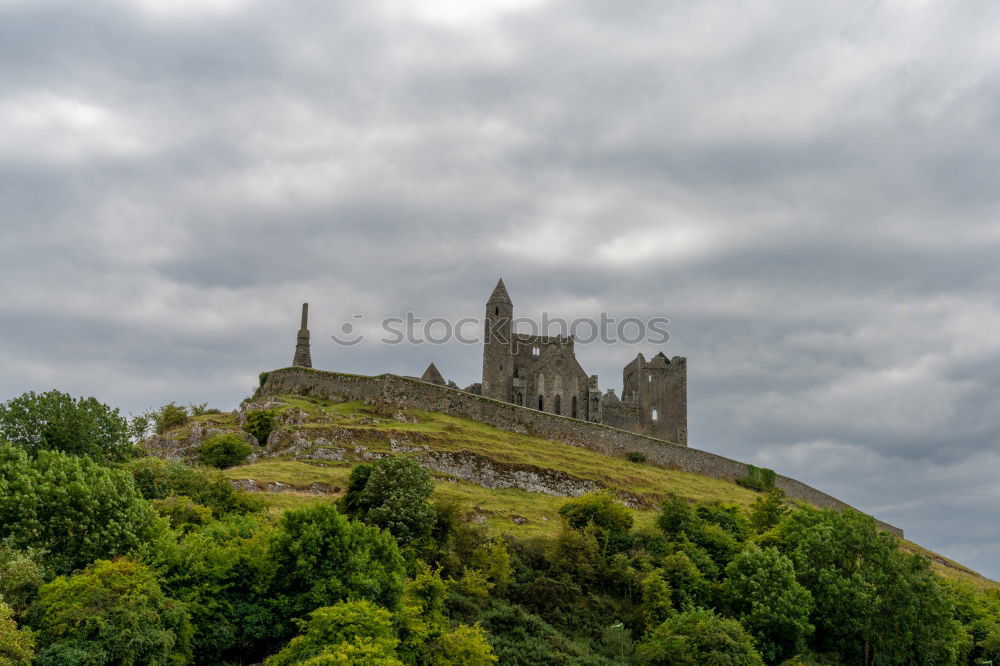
[541, 372]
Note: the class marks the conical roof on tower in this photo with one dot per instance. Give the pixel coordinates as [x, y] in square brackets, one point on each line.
[432, 375]
[500, 294]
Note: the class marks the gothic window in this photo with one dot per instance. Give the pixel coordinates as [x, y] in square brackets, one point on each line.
[541, 404]
[534, 351]
[558, 409]
[496, 310]
[651, 378]
[655, 416]
[573, 408]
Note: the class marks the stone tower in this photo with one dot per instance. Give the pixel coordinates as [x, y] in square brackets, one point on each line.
[658, 389]
[303, 359]
[498, 360]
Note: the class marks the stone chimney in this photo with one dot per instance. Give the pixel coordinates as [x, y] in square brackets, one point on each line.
[303, 359]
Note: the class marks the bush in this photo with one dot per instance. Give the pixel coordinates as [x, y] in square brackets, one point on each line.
[343, 628]
[54, 421]
[758, 478]
[225, 450]
[321, 558]
[21, 574]
[262, 378]
[605, 511]
[392, 493]
[72, 507]
[259, 424]
[110, 613]
[698, 637]
[761, 590]
[636, 456]
[169, 416]
[182, 512]
[201, 409]
[157, 479]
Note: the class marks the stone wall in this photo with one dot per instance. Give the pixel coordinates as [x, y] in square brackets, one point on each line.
[404, 392]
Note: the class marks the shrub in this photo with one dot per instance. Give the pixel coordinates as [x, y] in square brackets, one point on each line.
[55, 421]
[225, 450]
[72, 507]
[636, 456]
[157, 479]
[21, 574]
[17, 647]
[603, 510]
[182, 512]
[767, 510]
[262, 378]
[758, 478]
[332, 629]
[201, 409]
[169, 416]
[321, 558]
[761, 590]
[110, 613]
[259, 424]
[699, 637]
[392, 493]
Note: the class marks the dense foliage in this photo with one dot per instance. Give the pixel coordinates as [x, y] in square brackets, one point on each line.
[73, 508]
[55, 421]
[225, 450]
[156, 562]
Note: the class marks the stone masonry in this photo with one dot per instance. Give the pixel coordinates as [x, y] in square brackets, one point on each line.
[303, 358]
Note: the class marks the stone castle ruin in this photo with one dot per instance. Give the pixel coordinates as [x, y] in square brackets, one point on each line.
[541, 372]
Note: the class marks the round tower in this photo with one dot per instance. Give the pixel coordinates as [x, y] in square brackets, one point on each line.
[498, 358]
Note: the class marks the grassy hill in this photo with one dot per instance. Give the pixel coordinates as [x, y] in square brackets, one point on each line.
[315, 443]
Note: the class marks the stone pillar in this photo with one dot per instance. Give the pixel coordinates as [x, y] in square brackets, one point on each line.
[303, 359]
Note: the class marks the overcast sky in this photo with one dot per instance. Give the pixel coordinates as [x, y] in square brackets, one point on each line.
[809, 191]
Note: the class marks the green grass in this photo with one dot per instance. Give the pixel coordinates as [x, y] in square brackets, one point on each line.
[504, 511]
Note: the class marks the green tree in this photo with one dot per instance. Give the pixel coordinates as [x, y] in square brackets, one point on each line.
[768, 510]
[698, 638]
[55, 421]
[656, 604]
[182, 512]
[761, 590]
[224, 450]
[17, 647]
[259, 424]
[169, 416]
[393, 496]
[360, 630]
[221, 572]
[605, 511]
[465, 646]
[72, 507]
[21, 574]
[321, 558]
[110, 613]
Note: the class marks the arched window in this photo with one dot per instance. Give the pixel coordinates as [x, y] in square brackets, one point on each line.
[541, 404]
[655, 415]
[534, 351]
[573, 414]
[558, 409]
[496, 310]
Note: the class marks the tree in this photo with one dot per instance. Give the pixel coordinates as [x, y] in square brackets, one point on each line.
[17, 647]
[392, 493]
[698, 638]
[72, 507]
[110, 613]
[768, 510]
[55, 421]
[359, 631]
[21, 574]
[169, 416]
[605, 511]
[656, 605]
[761, 590]
[225, 450]
[259, 425]
[321, 558]
[465, 646]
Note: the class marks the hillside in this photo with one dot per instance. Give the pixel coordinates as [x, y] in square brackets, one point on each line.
[513, 483]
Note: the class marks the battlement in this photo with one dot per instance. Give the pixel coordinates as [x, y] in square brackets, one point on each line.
[403, 392]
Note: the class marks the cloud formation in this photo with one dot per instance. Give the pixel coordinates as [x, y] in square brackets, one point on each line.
[809, 193]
